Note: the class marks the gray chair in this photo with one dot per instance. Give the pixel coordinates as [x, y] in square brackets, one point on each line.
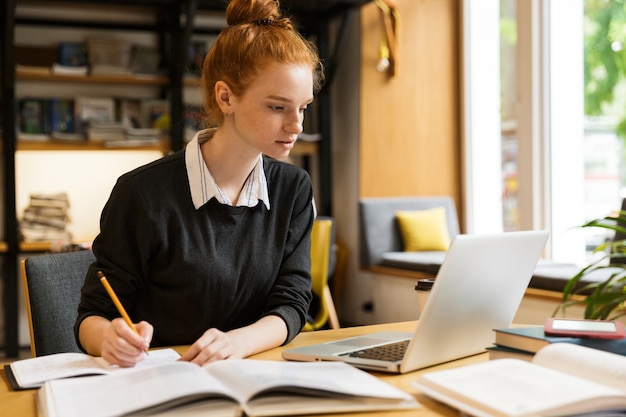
[52, 286]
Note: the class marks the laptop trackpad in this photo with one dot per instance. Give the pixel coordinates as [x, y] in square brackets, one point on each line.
[372, 340]
[359, 342]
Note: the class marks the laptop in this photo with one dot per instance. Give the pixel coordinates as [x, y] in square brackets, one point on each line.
[479, 287]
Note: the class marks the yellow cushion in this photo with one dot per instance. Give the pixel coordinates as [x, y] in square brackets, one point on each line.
[424, 230]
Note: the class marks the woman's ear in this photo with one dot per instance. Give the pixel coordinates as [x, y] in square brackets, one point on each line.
[224, 96]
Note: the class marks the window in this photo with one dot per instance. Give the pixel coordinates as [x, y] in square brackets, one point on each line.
[558, 164]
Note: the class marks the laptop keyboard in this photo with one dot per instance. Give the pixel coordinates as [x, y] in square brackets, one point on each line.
[390, 352]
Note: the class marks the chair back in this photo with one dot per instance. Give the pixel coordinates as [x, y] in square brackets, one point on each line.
[52, 285]
[321, 248]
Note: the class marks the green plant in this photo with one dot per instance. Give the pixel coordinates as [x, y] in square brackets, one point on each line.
[603, 300]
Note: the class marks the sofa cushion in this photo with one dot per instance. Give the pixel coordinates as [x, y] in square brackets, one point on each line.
[554, 275]
[551, 276]
[425, 261]
[423, 230]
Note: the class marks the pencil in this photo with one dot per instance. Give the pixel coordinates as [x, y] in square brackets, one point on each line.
[117, 302]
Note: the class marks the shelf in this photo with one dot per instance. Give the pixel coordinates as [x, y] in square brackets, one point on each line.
[28, 247]
[300, 149]
[191, 81]
[23, 74]
[53, 145]
[304, 148]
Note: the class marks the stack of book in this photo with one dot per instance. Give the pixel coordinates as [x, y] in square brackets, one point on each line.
[135, 137]
[109, 56]
[46, 218]
[100, 130]
[524, 342]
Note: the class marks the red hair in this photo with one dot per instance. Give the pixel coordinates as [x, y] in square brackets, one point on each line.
[256, 36]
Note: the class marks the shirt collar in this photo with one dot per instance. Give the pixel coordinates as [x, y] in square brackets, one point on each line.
[203, 186]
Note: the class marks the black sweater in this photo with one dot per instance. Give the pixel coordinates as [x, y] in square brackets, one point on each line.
[185, 270]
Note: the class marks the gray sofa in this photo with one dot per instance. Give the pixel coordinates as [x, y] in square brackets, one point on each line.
[381, 243]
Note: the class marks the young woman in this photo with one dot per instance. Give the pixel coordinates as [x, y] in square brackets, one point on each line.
[210, 246]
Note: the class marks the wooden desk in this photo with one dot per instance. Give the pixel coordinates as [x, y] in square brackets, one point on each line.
[22, 403]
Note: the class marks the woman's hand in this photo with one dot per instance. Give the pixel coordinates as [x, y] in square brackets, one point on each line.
[122, 346]
[213, 345]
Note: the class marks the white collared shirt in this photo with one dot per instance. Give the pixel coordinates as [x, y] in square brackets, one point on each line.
[203, 186]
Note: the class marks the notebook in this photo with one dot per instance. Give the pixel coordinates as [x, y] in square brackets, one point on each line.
[479, 287]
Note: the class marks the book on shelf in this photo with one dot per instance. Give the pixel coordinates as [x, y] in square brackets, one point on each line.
[88, 110]
[131, 143]
[128, 112]
[99, 131]
[42, 118]
[109, 55]
[34, 116]
[62, 115]
[145, 59]
[33, 137]
[73, 54]
[155, 114]
[34, 372]
[225, 388]
[533, 338]
[562, 379]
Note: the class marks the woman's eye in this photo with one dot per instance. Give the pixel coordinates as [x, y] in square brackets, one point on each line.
[277, 108]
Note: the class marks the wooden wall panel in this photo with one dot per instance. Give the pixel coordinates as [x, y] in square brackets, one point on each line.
[410, 123]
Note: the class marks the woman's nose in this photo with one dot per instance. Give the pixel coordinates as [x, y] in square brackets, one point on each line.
[294, 126]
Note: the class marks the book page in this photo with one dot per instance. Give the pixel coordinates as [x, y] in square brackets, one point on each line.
[33, 372]
[154, 357]
[250, 377]
[592, 364]
[149, 388]
[512, 387]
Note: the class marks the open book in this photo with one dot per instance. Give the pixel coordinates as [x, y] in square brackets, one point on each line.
[562, 379]
[224, 388]
[33, 372]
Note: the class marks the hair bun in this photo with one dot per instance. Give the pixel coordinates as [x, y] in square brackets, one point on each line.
[260, 12]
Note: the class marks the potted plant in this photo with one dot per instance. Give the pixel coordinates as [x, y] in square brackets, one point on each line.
[605, 299]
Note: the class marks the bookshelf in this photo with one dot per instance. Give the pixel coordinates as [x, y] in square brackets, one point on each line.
[173, 22]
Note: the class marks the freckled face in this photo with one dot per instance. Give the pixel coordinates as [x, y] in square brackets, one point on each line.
[268, 116]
